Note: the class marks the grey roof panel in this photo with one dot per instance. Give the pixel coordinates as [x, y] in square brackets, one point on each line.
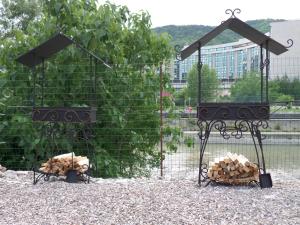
[204, 40]
[45, 50]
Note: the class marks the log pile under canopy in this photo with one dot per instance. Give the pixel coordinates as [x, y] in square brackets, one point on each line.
[233, 169]
[61, 164]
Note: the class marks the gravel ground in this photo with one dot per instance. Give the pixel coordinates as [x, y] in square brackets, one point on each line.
[145, 201]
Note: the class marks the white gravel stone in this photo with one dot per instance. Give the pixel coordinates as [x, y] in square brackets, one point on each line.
[22, 173]
[146, 201]
[11, 174]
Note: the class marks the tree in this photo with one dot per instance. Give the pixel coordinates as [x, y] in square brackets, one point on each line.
[247, 89]
[180, 97]
[286, 99]
[288, 86]
[209, 84]
[17, 15]
[127, 129]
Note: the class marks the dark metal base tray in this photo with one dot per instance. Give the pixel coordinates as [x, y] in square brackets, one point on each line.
[233, 111]
[38, 175]
[252, 183]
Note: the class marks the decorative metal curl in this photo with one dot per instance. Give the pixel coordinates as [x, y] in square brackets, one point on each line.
[72, 133]
[240, 126]
[221, 126]
[46, 177]
[261, 123]
[203, 127]
[263, 64]
[232, 12]
[237, 130]
[200, 64]
[203, 172]
[290, 43]
[177, 49]
[87, 132]
[51, 130]
[257, 124]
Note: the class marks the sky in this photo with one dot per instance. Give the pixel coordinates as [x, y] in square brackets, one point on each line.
[211, 12]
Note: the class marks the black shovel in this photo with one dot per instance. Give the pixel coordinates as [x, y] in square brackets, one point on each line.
[72, 174]
[265, 179]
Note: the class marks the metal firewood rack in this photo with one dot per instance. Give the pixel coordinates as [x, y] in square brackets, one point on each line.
[71, 122]
[243, 117]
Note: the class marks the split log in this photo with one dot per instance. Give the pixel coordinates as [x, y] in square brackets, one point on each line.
[61, 164]
[2, 169]
[233, 169]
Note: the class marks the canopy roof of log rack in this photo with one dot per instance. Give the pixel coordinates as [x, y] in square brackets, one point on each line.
[37, 56]
[240, 28]
[49, 48]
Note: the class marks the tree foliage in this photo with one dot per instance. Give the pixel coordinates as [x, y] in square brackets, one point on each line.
[127, 129]
[17, 15]
[288, 86]
[247, 89]
[209, 84]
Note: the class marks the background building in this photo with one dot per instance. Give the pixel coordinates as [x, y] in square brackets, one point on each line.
[287, 63]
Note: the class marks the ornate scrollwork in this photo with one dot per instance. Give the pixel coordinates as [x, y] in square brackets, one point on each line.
[256, 125]
[49, 116]
[71, 115]
[238, 111]
[205, 128]
[221, 126]
[240, 127]
[237, 130]
[260, 123]
[232, 12]
[64, 114]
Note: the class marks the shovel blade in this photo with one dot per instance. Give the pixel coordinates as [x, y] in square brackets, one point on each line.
[72, 176]
[265, 180]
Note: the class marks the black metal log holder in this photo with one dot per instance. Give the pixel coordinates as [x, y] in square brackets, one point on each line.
[243, 117]
[247, 117]
[74, 122]
[52, 131]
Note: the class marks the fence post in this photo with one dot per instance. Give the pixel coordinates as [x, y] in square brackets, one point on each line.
[161, 119]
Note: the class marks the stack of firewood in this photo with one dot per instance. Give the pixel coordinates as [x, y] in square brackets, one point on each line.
[61, 164]
[233, 169]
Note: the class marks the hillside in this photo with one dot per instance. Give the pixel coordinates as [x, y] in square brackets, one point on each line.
[182, 35]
